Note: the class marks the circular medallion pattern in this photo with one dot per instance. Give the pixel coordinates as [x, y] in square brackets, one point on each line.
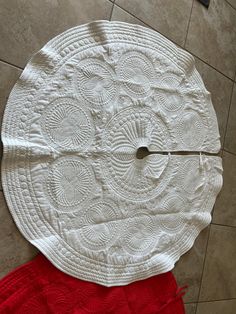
[191, 130]
[99, 226]
[169, 93]
[69, 182]
[132, 128]
[137, 73]
[172, 214]
[96, 81]
[67, 125]
[139, 237]
[128, 176]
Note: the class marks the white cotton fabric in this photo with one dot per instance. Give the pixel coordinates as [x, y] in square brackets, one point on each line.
[72, 126]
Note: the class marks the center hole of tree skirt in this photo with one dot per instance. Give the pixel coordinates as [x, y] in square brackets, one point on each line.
[142, 152]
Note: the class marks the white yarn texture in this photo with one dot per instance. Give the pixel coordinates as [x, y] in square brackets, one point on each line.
[72, 126]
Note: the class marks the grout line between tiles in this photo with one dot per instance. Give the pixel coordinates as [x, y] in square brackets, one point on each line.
[146, 24]
[230, 104]
[203, 266]
[11, 64]
[195, 56]
[208, 301]
[225, 150]
[188, 23]
[230, 4]
[113, 3]
[193, 303]
[204, 262]
[222, 225]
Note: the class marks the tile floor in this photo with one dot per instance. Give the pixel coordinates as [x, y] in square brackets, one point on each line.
[210, 35]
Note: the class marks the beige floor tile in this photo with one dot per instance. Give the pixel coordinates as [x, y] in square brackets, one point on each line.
[220, 88]
[219, 277]
[25, 26]
[190, 308]
[14, 249]
[230, 139]
[167, 16]
[212, 35]
[189, 268]
[118, 14]
[8, 77]
[217, 307]
[225, 207]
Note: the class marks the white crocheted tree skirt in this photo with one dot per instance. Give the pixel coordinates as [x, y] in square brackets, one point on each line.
[73, 180]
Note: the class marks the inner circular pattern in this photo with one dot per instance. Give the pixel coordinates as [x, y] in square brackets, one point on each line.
[99, 226]
[192, 177]
[67, 125]
[169, 92]
[191, 129]
[137, 73]
[140, 235]
[95, 80]
[171, 217]
[69, 182]
[127, 175]
[132, 128]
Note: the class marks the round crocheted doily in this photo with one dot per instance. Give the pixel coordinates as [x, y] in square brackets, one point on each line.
[109, 140]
